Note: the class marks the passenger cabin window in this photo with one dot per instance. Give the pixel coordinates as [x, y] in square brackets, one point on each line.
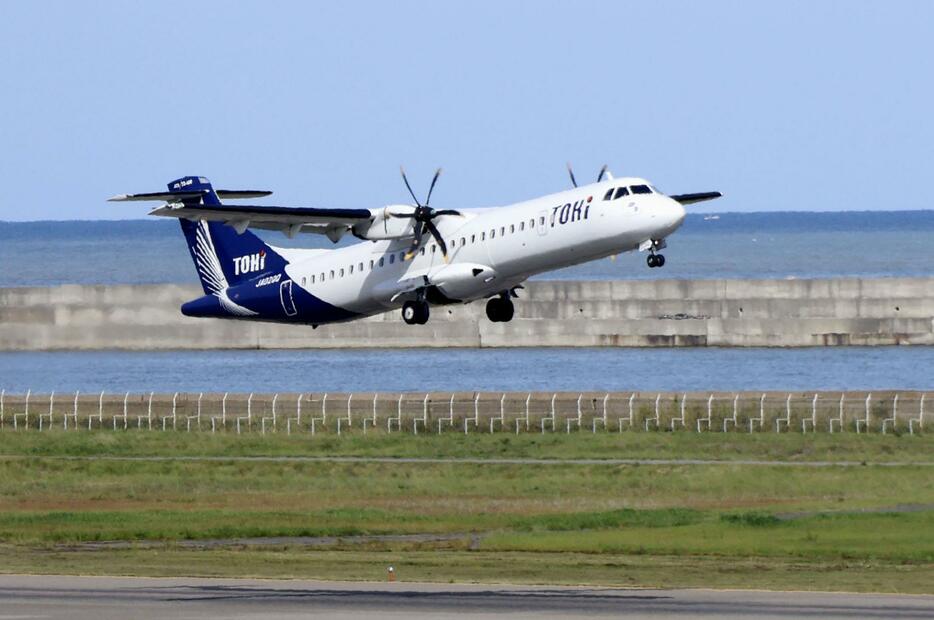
[342, 272]
[541, 221]
[371, 264]
[392, 258]
[512, 228]
[332, 274]
[422, 251]
[483, 236]
[360, 266]
[641, 189]
[502, 231]
[351, 269]
[473, 238]
[433, 248]
[322, 276]
[620, 192]
[381, 261]
[522, 225]
[463, 241]
[532, 223]
[303, 280]
[493, 233]
[609, 194]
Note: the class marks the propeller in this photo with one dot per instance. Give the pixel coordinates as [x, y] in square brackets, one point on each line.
[604, 172]
[423, 216]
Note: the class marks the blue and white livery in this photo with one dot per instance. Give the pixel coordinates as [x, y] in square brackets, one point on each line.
[410, 256]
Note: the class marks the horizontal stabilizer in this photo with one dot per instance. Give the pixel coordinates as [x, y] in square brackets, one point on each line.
[155, 197]
[687, 199]
[231, 194]
[235, 194]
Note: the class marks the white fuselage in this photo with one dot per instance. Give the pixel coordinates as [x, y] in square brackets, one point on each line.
[508, 244]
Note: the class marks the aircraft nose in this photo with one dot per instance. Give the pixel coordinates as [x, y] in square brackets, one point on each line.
[675, 213]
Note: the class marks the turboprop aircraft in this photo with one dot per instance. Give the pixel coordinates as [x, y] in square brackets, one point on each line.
[411, 256]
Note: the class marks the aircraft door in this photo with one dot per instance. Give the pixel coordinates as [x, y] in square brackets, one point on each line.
[285, 296]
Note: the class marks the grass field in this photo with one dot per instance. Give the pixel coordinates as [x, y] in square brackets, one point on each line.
[863, 528]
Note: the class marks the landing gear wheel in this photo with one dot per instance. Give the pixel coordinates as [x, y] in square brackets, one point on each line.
[659, 260]
[500, 310]
[415, 312]
[650, 261]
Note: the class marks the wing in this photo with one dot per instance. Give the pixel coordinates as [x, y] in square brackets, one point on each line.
[687, 199]
[290, 220]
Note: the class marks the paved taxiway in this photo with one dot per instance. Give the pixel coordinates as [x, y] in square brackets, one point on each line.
[101, 598]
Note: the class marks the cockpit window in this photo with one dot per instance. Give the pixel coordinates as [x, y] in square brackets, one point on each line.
[609, 194]
[622, 191]
[641, 189]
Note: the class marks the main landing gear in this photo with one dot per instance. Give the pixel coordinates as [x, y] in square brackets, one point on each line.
[500, 309]
[415, 312]
[655, 260]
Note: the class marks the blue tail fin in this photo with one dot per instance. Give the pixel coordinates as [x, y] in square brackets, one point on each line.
[222, 256]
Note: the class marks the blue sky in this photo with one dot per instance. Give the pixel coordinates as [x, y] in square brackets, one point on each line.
[785, 105]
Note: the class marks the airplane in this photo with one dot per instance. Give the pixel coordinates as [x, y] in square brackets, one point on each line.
[411, 256]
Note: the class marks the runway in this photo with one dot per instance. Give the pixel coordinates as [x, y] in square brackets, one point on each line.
[97, 598]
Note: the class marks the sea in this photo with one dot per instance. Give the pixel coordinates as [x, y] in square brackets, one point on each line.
[726, 245]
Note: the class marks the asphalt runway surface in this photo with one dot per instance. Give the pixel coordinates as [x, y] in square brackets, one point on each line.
[100, 598]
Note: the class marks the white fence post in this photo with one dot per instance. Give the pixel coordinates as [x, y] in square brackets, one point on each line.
[734, 420]
[196, 417]
[423, 419]
[919, 419]
[126, 397]
[551, 416]
[100, 413]
[593, 423]
[679, 420]
[398, 418]
[223, 415]
[373, 419]
[174, 410]
[813, 420]
[249, 414]
[654, 419]
[619, 421]
[25, 413]
[576, 420]
[839, 418]
[709, 417]
[139, 418]
[297, 418]
[450, 418]
[761, 419]
[49, 414]
[348, 418]
[476, 413]
[786, 419]
[271, 418]
[324, 415]
[865, 422]
[894, 418]
[502, 414]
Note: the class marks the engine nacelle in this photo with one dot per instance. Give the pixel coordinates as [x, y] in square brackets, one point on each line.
[385, 226]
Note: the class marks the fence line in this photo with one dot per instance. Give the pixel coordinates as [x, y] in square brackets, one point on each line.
[477, 412]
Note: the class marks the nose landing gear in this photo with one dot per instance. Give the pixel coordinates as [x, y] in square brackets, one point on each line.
[655, 260]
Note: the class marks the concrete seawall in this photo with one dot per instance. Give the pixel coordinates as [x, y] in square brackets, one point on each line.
[782, 313]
